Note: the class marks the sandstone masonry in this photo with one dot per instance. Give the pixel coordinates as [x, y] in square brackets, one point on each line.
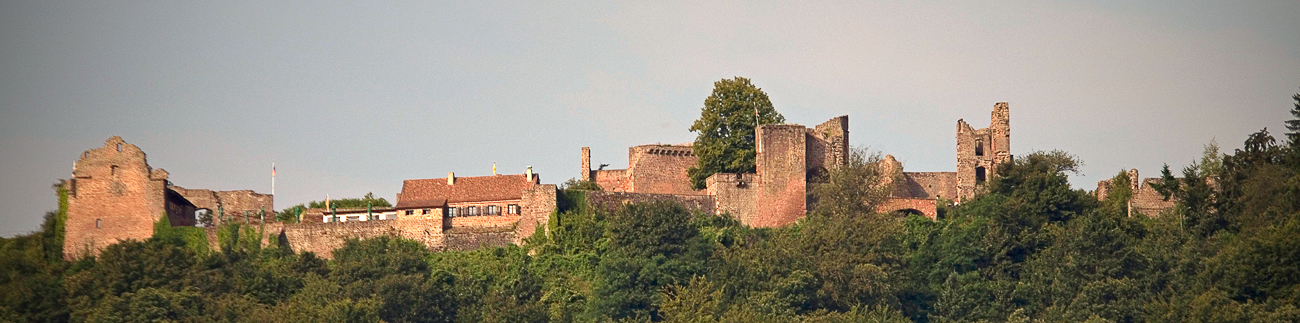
[789, 155]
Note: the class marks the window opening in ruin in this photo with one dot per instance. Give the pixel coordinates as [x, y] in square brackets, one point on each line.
[202, 217]
[979, 175]
[513, 209]
[97, 223]
[979, 147]
[119, 147]
[112, 170]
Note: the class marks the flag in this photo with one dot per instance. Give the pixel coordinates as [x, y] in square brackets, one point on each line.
[494, 168]
[272, 170]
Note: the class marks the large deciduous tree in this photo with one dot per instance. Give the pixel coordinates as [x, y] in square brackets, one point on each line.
[725, 140]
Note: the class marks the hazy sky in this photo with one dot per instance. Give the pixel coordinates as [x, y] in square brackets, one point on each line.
[351, 98]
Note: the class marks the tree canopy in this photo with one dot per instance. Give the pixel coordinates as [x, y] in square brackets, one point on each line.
[1029, 248]
[724, 141]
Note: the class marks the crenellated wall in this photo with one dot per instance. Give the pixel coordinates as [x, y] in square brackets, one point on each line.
[660, 169]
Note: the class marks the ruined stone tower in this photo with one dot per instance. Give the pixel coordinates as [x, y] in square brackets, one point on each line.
[979, 152]
[113, 196]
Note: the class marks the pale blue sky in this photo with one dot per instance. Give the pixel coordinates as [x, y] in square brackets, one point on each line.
[351, 98]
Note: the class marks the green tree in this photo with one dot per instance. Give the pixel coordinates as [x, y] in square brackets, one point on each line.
[725, 130]
[577, 184]
[1211, 160]
[852, 189]
[1294, 124]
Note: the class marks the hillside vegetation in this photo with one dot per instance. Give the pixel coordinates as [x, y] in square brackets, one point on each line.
[1027, 248]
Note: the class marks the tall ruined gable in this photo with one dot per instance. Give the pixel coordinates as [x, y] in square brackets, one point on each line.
[113, 196]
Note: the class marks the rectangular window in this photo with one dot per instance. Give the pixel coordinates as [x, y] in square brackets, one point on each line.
[410, 212]
[471, 211]
[493, 210]
[97, 223]
[513, 209]
[424, 211]
[352, 218]
[453, 212]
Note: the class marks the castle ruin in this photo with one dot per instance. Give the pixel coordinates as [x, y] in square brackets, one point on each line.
[790, 155]
[115, 195]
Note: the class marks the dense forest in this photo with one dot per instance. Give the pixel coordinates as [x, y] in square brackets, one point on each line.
[1027, 248]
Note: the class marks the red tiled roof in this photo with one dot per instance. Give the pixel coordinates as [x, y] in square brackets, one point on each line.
[428, 192]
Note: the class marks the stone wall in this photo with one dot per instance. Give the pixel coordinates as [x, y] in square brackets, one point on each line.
[930, 185]
[611, 179]
[926, 207]
[113, 196]
[482, 221]
[323, 238]
[1145, 200]
[233, 203]
[537, 205]
[662, 169]
[835, 134]
[733, 194]
[469, 239]
[611, 201]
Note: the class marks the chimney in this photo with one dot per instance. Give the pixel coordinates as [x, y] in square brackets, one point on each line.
[529, 173]
[451, 178]
[586, 163]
